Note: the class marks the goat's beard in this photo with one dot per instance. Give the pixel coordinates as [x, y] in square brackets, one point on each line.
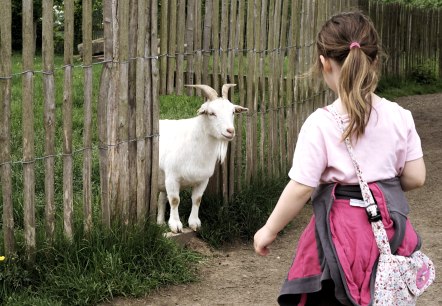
[222, 150]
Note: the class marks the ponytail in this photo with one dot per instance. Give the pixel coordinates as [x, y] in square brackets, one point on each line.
[358, 81]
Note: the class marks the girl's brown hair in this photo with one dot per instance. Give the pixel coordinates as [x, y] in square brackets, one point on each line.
[359, 64]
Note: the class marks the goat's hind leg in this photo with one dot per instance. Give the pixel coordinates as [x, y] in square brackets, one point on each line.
[197, 194]
[162, 200]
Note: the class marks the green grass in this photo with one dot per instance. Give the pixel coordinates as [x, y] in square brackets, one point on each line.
[178, 107]
[88, 271]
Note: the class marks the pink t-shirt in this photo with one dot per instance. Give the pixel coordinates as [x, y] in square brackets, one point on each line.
[390, 139]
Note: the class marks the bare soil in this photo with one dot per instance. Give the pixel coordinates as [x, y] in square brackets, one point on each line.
[235, 275]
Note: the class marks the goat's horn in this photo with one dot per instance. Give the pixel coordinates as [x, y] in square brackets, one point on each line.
[225, 90]
[208, 91]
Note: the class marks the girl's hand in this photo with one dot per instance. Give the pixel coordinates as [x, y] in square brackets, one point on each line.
[291, 201]
[263, 238]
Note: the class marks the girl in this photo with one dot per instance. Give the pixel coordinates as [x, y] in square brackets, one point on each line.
[335, 261]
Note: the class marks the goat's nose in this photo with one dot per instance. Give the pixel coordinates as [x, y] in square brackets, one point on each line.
[231, 130]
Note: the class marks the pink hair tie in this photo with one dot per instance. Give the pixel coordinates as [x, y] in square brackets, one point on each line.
[354, 45]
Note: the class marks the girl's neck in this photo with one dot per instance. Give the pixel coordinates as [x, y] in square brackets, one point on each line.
[342, 110]
[340, 107]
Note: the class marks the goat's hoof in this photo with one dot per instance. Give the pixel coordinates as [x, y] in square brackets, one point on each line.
[195, 228]
[195, 225]
[176, 226]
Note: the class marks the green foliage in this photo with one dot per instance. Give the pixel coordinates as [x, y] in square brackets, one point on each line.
[424, 74]
[417, 3]
[242, 216]
[392, 88]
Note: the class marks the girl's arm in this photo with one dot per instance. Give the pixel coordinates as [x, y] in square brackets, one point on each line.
[290, 203]
[413, 175]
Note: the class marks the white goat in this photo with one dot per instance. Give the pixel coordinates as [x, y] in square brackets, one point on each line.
[189, 150]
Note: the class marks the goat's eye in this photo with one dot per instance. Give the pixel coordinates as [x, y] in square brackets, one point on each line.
[212, 114]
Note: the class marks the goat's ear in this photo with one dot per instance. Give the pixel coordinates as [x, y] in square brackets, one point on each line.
[240, 109]
[203, 109]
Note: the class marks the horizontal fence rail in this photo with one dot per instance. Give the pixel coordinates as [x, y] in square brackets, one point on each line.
[57, 170]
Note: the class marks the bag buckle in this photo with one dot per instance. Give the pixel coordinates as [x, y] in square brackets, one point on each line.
[373, 212]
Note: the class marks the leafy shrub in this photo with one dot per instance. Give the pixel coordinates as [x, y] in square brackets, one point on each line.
[424, 74]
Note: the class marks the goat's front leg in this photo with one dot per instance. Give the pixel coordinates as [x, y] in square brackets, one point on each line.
[197, 194]
[173, 195]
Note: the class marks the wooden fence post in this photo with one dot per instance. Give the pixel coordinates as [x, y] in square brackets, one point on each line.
[87, 134]
[164, 51]
[198, 45]
[191, 49]
[179, 79]
[439, 41]
[231, 79]
[282, 105]
[112, 114]
[105, 94]
[123, 111]
[28, 131]
[68, 193]
[171, 50]
[239, 45]
[262, 85]
[154, 112]
[135, 10]
[5, 126]
[49, 115]
[206, 41]
[141, 81]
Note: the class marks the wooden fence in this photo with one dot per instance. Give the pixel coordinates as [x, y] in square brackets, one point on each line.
[411, 37]
[154, 48]
[126, 129]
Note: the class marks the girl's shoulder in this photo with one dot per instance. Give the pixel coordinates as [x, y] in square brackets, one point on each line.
[319, 117]
[391, 109]
[321, 121]
[380, 102]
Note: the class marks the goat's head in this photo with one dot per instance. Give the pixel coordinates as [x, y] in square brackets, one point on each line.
[219, 112]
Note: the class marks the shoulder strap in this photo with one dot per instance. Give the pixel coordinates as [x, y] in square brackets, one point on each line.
[371, 207]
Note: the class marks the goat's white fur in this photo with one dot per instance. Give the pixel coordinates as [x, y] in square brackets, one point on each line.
[189, 150]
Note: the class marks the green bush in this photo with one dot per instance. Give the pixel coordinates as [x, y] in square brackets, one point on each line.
[424, 74]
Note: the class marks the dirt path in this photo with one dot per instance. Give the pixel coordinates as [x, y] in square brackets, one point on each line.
[237, 276]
